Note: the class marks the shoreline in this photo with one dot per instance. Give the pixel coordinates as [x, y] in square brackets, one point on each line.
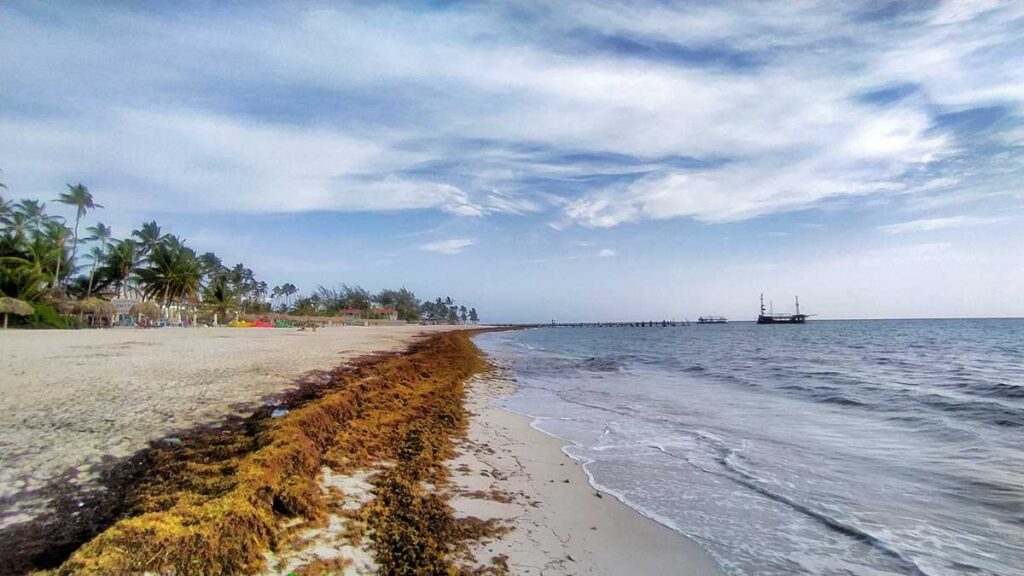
[389, 460]
[561, 524]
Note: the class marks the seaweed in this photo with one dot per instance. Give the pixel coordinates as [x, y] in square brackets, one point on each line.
[218, 501]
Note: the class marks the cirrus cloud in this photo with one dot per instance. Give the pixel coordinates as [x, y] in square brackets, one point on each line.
[450, 246]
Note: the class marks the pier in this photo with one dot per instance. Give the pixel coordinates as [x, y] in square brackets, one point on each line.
[640, 324]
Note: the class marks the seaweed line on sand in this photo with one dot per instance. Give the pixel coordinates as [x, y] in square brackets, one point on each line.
[218, 500]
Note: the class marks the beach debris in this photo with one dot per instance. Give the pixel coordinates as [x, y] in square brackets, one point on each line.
[598, 494]
[173, 441]
[376, 414]
[277, 413]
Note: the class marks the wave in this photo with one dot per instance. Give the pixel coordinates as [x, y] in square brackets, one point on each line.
[752, 482]
[599, 364]
[998, 390]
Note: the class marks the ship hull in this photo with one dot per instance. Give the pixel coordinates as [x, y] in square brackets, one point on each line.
[794, 319]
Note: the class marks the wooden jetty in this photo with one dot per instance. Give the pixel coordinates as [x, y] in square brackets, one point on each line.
[640, 324]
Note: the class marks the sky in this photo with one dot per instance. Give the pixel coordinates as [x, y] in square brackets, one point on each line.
[538, 160]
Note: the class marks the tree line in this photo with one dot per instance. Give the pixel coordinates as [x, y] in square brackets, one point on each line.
[41, 263]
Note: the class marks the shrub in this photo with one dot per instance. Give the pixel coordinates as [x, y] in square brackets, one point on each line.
[46, 316]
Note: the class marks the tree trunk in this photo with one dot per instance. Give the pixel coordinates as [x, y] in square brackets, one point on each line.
[5, 320]
[92, 273]
[74, 247]
[60, 253]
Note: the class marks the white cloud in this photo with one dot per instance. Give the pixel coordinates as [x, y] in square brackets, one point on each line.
[731, 193]
[606, 252]
[450, 246]
[931, 224]
[192, 161]
[173, 124]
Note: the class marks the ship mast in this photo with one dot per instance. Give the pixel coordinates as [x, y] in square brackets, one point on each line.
[762, 304]
[797, 298]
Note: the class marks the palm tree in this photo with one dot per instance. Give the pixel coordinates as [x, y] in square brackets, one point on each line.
[79, 197]
[33, 212]
[173, 272]
[19, 224]
[261, 291]
[53, 237]
[148, 237]
[6, 208]
[120, 264]
[275, 293]
[96, 254]
[289, 291]
[211, 266]
[243, 283]
[219, 299]
[22, 278]
[102, 233]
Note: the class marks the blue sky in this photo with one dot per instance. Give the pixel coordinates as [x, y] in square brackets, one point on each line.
[541, 160]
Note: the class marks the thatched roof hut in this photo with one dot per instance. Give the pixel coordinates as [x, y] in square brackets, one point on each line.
[147, 309]
[14, 306]
[96, 307]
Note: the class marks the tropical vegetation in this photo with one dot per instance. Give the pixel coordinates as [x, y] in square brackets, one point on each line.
[62, 274]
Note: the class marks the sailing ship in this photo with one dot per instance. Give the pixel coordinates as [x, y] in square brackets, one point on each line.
[770, 317]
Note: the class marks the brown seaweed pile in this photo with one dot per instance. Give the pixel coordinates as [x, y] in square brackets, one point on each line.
[218, 501]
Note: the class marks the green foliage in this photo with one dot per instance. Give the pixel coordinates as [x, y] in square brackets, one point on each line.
[219, 299]
[403, 301]
[22, 279]
[173, 273]
[39, 257]
[333, 300]
[46, 316]
[448, 311]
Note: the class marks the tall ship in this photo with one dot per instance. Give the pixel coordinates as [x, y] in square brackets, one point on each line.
[770, 317]
[712, 320]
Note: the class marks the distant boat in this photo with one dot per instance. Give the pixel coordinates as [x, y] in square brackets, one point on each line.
[771, 317]
[712, 320]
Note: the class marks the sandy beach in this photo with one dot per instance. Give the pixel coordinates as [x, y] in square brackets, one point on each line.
[77, 399]
[71, 399]
[509, 471]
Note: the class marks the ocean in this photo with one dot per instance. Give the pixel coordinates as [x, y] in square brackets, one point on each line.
[836, 447]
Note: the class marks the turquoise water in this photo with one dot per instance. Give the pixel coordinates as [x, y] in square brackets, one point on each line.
[836, 447]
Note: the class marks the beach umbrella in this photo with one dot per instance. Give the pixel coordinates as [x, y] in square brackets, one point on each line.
[14, 306]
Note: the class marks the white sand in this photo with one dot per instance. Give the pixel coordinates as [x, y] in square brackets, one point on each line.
[560, 524]
[70, 398]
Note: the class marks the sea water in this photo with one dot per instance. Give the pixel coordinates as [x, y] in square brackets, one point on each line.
[835, 447]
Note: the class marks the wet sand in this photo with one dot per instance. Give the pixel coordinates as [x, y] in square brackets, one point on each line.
[69, 400]
[560, 524]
